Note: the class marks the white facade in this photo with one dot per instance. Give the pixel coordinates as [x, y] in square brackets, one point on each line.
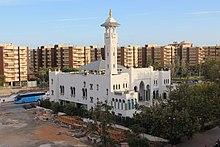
[121, 87]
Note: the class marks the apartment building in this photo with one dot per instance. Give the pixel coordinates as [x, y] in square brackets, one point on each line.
[142, 57]
[193, 56]
[62, 56]
[159, 55]
[80, 56]
[128, 56]
[96, 53]
[14, 64]
[212, 52]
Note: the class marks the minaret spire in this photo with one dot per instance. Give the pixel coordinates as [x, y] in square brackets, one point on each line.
[110, 13]
[111, 44]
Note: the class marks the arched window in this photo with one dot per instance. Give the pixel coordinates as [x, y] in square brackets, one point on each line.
[154, 95]
[129, 105]
[135, 89]
[132, 104]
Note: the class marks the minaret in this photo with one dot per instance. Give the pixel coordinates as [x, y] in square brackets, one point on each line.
[111, 44]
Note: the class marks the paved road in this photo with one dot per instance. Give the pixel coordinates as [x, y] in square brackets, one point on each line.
[207, 138]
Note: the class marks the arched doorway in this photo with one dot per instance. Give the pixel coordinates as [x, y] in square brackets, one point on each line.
[148, 92]
[141, 92]
[165, 95]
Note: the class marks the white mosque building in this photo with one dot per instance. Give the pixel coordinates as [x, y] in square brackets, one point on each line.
[104, 80]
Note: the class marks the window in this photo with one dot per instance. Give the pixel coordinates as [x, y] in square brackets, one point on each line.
[97, 87]
[91, 86]
[52, 92]
[73, 91]
[126, 85]
[135, 89]
[61, 90]
[113, 65]
[129, 105]
[84, 91]
[132, 104]
[51, 81]
[91, 99]
[97, 99]
[123, 85]
[113, 87]
[113, 53]
[106, 91]
[118, 86]
[84, 84]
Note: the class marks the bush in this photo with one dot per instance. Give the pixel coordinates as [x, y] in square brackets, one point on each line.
[70, 109]
[138, 142]
[45, 103]
[56, 107]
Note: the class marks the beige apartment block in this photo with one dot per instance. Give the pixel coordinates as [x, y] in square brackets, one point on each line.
[128, 56]
[160, 55]
[80, 56]
[14, 64]
[212, 52]
[193, 56]
[96, 53]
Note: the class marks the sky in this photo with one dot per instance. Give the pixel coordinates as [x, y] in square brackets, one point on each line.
[77, 22]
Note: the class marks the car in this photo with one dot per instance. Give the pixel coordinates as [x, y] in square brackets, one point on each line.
[29, 106]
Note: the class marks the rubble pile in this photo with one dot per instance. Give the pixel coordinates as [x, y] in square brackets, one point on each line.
[117, 134]
[74, 122]
[43, 114]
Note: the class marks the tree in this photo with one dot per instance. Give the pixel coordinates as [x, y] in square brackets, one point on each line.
[65, 69]
[137, 129]
[102, 114]
[2, 80]
[184, 69]
[211, 70]
[177, 71]
[149, 61]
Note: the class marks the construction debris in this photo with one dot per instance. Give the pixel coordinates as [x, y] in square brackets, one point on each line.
[73, 122]
[42, 114]
[117, 134]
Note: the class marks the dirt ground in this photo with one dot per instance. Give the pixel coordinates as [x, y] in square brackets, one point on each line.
[18, 128]
[55, 133]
